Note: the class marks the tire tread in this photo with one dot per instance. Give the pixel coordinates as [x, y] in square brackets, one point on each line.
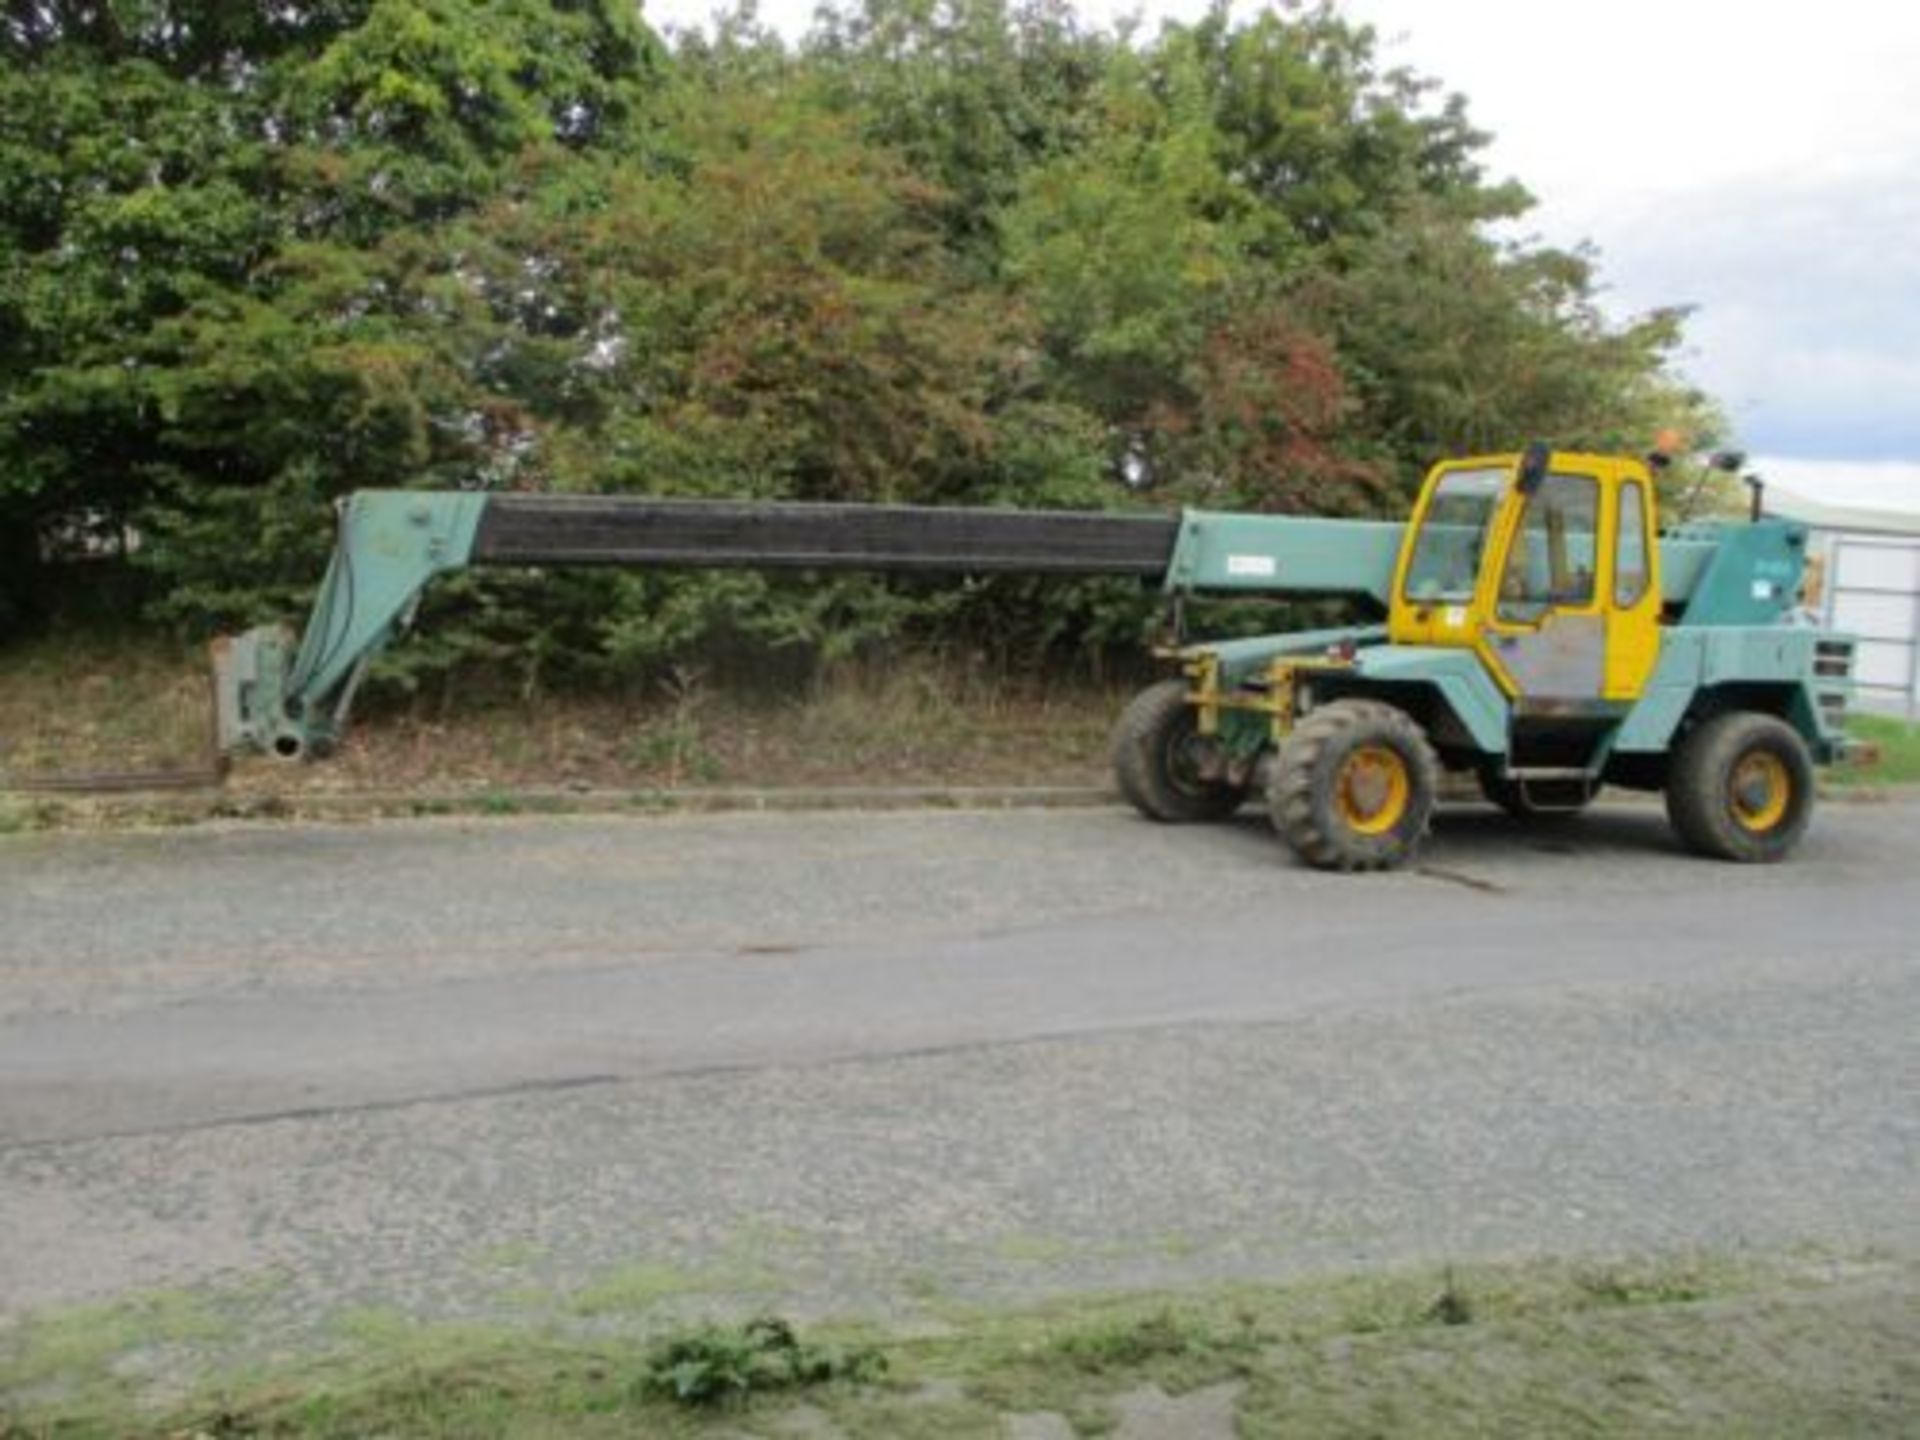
[1295, 799]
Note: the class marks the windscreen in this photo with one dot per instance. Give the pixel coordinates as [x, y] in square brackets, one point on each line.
[1446, 555]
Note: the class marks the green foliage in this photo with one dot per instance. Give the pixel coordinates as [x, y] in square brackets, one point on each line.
[717, 1365]
[1127, 1343]
[253, 256]
[1896, 751]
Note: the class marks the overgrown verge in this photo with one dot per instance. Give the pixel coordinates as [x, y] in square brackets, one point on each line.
[1689, 1346]
[91, 702]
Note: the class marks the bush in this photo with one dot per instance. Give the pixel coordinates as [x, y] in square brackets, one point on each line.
[716, 1365]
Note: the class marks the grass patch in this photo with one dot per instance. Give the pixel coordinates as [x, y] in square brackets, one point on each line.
[99, 1356]
[1131, 1342]
[640, 1288]
[17, 817]
[1628, 1284]
[86, 701]
[1688, 1346]
[635, 1289]
[1899, 745]
[1453, 1305]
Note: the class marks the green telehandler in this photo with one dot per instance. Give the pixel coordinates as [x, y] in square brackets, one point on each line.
[1530, 626]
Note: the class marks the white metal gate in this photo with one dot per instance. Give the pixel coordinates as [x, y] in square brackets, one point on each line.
[1873, 593]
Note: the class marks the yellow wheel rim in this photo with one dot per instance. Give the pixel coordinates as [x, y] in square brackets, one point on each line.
[1761, 789]
[1372, 790]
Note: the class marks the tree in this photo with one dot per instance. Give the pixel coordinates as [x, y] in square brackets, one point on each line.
[254, 254]
[216, 256]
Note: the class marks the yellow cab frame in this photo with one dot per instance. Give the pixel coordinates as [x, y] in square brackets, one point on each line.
[1624, 600]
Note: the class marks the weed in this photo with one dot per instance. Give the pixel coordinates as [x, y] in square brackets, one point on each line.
[1631, 1285]
[1451, 1306]
[674, 748]
[715, 1365]
[1163, 1335]
[498, 802]
[673, 744]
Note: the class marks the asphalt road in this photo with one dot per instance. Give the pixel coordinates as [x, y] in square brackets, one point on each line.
[877, 1062]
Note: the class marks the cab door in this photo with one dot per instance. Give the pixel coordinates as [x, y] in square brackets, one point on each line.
[1548, 632]
[1633, 618]
[1576, 613]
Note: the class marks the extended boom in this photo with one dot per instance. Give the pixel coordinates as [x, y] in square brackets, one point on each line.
[1530, 626]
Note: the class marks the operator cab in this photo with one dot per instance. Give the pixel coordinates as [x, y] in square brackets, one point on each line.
[1545, 565]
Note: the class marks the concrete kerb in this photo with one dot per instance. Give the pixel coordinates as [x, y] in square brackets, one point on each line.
[174, 807]
[191, 807]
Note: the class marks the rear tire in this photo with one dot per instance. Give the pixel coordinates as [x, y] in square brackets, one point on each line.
[1354, 786]
[1741, 788]
[1155, 761]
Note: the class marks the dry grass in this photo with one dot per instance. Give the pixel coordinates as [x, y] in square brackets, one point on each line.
[83, 702]
[87, 703]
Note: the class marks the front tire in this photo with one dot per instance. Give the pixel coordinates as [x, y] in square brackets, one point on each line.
[1741, 788]
[1156, 760]
[1354, 786]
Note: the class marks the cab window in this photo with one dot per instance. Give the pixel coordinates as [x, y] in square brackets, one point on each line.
[1550, 564]
[1446, 554]
[1630, 548]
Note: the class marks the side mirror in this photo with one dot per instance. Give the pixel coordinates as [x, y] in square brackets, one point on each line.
[1533, 467]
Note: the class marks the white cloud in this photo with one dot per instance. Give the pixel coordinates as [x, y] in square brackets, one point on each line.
[1598, 104]
[1809, 297]
[1761, 163]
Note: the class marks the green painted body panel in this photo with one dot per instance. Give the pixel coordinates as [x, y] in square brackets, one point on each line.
[1732, 584]
[1459, 677]
[1306, 555]
[1751, 575]
[1242, 659]
[392, 542]
[1682, 559]
[1285, 555]
[1777, 660]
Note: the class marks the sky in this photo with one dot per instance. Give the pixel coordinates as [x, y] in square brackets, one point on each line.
[1758, 162]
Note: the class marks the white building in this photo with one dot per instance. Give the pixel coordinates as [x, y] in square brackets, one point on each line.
[1869, 588]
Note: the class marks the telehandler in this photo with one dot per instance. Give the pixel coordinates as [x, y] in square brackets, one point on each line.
[1530, 626]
